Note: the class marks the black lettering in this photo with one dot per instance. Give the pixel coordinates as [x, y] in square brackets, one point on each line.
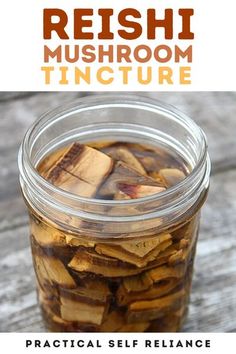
[111, 343]
[28, 343]
[189, 343]
[37, 344]
[56, 343]
[179, 344]
[46, 344]
[90, 344]
[80, 343]
[198, 343]
[148, 343]
[208, 343]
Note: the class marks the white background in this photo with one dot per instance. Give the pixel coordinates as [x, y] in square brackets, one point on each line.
[214, 54]
[16, 343]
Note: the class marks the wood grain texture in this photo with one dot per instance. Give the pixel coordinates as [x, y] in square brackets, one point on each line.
[213, 300]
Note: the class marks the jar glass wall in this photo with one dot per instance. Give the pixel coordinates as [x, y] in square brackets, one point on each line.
[114, 265]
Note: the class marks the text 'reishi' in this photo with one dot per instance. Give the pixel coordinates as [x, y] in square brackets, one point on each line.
[102, 46]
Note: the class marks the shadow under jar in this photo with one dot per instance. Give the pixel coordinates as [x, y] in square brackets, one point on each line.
[108, 256]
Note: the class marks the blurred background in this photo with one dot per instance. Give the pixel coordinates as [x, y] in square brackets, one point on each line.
[213, 299]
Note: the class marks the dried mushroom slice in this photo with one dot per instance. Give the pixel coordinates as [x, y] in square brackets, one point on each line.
[108, 267]
[139, 191]
[47, 236]
[54, 317]
[78, 242]
[171, 176]
[81, 312]
[91, 291]
[123, 174]
[184, 243]
[143, 248]
[183, 252]
[155, 175]
[121, 196]
[139, 254]
[50, 161]
[121, 153]
[112, 322]
[157, 290]
[178, 257]
[53, 270]
[150, 163]
[138, 283]
[160, 273]
[41, 272]
[80, 170]
[100, 145]
[152, 309]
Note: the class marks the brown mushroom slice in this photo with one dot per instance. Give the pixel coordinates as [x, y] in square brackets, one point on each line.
[152, 309]
[50, 161]
[171, 176]
[183, 253]
[41, 272]
[184, 243]
[139, 253]
[119, 253]
[137, 283]
[100, 145]
[80, 170]
[74, 185]
[120, 153]
[92, 262]
[160, 273]
[53, 270]
[134, 327]
[121, 196]
[157, 290]
[140, 191]
[112, 322]
[150, 162]
[81, 311]
[47, 236]
[85, 261]
[54, 317]
[92, 290]
[155, 175]
[122, 173]
[143, 248]
[78, 242]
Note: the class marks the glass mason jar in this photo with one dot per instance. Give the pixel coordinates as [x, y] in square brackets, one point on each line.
[79, 289]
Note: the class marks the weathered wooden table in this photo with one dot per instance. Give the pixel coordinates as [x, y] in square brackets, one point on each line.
[213, 300]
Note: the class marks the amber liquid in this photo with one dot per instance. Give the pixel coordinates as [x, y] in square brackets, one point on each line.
[87, 285]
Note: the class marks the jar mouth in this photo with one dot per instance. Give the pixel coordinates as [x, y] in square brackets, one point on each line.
[171, 197]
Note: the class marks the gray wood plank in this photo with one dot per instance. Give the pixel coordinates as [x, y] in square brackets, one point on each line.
[213, 300]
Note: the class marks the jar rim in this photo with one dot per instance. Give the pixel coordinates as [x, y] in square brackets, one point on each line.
[29, 173]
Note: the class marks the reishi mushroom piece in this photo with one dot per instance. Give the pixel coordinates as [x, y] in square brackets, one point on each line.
[120, 153]
[123, 174]
[80, 170]
[171, 176]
